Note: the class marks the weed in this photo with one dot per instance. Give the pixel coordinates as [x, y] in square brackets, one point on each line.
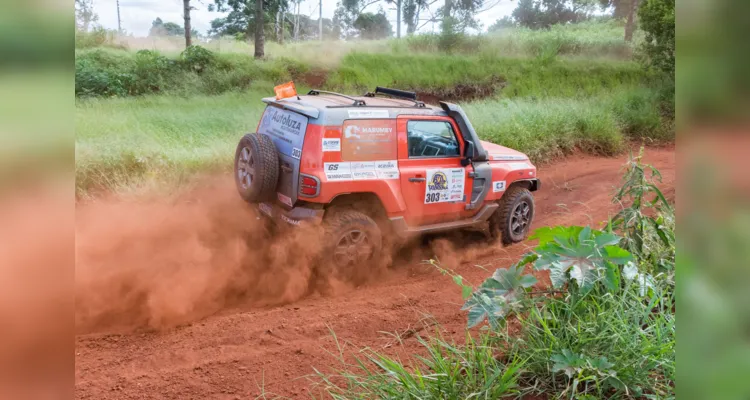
[448, 371]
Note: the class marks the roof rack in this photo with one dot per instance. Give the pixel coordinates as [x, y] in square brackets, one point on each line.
[396, 93]
[358, 103]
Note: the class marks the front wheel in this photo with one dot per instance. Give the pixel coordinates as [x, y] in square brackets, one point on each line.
[512, 220]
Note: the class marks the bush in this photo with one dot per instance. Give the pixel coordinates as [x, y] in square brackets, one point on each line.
[657, 19]
[196, 58]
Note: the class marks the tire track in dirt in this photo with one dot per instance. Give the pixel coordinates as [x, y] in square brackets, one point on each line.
[247, 349]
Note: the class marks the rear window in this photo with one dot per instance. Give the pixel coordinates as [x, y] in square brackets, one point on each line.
[286, 128]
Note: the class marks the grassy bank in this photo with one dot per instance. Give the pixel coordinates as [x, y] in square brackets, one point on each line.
[109, 72]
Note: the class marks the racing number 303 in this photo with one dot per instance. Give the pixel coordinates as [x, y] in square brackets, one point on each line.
[432, 197]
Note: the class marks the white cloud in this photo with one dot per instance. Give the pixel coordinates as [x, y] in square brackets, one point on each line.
[136, 15]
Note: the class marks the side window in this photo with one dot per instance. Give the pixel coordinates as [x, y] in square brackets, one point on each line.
[431, 139]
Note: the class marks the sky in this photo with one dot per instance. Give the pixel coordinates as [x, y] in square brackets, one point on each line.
[136, 15]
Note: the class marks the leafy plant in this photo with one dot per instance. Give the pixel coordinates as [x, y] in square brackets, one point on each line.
[578, 258]
[197, 58]
[502, 293]
[581, 255]
[646, 218]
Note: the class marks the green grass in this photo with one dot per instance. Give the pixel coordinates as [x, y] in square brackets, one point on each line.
[520, 77]
[127, 142]
[448, 371]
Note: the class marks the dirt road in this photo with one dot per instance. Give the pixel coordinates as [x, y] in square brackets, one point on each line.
[195, 335]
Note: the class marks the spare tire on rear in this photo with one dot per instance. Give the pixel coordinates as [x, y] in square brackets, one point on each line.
[256, 168]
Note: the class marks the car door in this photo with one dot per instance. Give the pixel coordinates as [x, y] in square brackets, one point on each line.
[434, 185]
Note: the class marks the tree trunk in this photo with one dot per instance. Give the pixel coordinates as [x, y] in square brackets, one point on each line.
[398, 19]
[188, 28]
[296, 22]
[276, 25]
[630, 24]
[320, 19]
[259, 36]
[281, 27]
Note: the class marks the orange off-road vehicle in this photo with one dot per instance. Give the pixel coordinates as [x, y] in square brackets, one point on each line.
[381, 165]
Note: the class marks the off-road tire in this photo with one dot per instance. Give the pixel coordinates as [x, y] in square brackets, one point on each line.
[265, 163]
[339, 223]
[501, 221]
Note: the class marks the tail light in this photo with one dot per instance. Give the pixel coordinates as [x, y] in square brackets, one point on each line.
[309, 186]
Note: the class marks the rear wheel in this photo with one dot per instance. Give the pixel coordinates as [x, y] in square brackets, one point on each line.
[354, 246]
[256, 168]
[512, 220]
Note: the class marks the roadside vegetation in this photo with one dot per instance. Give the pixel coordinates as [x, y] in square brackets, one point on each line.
[606, 328]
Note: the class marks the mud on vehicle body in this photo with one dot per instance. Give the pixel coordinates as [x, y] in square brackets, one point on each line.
[380, 165]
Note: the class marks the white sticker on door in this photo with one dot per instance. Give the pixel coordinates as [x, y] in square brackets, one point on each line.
[331, 144]
[363, 170]
[338, 171]
[387, 169]
[498, 186]
[444, 185]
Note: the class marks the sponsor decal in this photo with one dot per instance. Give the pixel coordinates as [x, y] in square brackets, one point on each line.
[290, 221]
[508, 157]
[331, 144]
[438, 181]
[286, 128]
[368, 113]
[368, 140]
[386, 169]
[361, 171]
[338, 171]
[444, 185]
[498, 186]
[284, 199]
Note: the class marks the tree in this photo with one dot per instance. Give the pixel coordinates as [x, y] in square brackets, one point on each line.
[85, 14]
[259, 34]
[186, 16]
[502, 23]
[253, 15]
[657, 21]
[541, 14]
[161, 28]
[373, 26]
[346, 13]
[624, 9]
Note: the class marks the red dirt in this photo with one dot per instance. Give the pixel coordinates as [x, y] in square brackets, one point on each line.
[248, 324]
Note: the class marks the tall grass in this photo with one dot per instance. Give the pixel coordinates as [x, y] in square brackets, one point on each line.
[107, 72]
[448, 371]
[591, 39]
[518, 77]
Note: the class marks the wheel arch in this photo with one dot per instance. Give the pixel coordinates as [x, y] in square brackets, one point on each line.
[366, 202]
[531, 184]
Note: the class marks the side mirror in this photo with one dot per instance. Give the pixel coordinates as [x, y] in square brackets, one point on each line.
[468, 153]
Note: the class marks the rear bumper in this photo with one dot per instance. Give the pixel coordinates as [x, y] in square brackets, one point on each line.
[294, 217]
